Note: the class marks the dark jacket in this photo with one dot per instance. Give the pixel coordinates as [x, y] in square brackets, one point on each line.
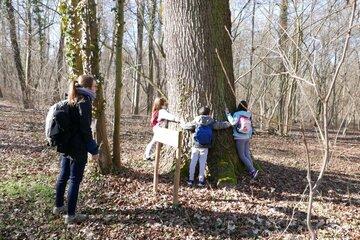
[204, 120]
[82, 141]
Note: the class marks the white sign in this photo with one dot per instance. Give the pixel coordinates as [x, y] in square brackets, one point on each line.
[167, 136]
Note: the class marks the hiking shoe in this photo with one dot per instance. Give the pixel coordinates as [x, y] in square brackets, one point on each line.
[59, 210]
[201, 184]
[190, 183]
[254, 174]
[77, 218]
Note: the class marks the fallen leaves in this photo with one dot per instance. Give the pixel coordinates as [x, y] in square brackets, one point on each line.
[124, 206]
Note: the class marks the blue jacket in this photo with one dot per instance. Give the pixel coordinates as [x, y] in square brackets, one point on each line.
[234, 119]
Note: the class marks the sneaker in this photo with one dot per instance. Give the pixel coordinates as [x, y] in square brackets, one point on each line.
[77, 218]
[149, 159]
[190, 183]
[254, 174]
[201, 183]
[59, 210]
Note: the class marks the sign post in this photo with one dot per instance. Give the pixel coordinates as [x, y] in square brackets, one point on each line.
[174, 139]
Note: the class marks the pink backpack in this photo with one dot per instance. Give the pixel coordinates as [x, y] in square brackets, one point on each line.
[244, 125]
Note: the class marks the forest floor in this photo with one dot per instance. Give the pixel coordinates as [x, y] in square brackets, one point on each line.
[123, 206]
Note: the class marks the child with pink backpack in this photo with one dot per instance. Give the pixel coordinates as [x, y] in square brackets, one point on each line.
[242, 132]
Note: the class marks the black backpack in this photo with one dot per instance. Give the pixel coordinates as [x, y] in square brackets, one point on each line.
[58, 126]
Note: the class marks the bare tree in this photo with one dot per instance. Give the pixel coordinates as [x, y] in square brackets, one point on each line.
[16, 54]
[139, 53]
[119, 66]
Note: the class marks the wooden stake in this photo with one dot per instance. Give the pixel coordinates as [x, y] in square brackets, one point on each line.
[177, 171]
[156, 168]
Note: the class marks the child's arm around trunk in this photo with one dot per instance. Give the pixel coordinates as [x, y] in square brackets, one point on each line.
[189, 126]
[165, 115]
[221, 125]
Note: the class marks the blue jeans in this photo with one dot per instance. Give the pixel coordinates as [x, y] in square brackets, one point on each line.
[243, 151]
[73, 170]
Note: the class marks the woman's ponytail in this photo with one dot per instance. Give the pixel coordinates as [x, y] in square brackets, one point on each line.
[85, 81]
[73, 93]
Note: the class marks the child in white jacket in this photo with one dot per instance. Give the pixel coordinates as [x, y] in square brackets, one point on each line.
[159, 117]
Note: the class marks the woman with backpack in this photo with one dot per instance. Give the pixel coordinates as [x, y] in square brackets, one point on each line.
[72, 163]
[242, 132]
[159, 118]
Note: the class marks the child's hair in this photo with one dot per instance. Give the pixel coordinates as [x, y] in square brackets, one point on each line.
[85, 81]
[159, 102]
[204, 111]
[243, 106]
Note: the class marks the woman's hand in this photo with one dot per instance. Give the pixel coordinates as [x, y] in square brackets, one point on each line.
[227, 110]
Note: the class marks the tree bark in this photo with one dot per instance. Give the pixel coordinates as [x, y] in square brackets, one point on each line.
[290, 107]
[283, 77]
[40, 22]
[16, 53]
[71, 27]
[139, 52]
[252, 50]
[158, 63]
[28, 62]
[150, 89]
[118, 83]
[59, 65]
[193, 32]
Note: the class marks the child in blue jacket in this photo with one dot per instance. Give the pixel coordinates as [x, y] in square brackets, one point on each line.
[242, 135]
[203, 126]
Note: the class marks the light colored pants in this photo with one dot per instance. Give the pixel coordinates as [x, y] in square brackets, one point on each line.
[149, 150]
[243, 151]
[201, 155]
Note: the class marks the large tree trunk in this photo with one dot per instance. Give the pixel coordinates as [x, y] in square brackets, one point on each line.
[193, 31]
[118, 84]
[139, 52]
[16, 53]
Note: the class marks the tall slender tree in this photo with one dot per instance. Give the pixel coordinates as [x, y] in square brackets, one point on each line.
[151, 50]
[139, 54]
[29, 46]
[118, 81]
[41, 25]
[283, 84]
[16, 53]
